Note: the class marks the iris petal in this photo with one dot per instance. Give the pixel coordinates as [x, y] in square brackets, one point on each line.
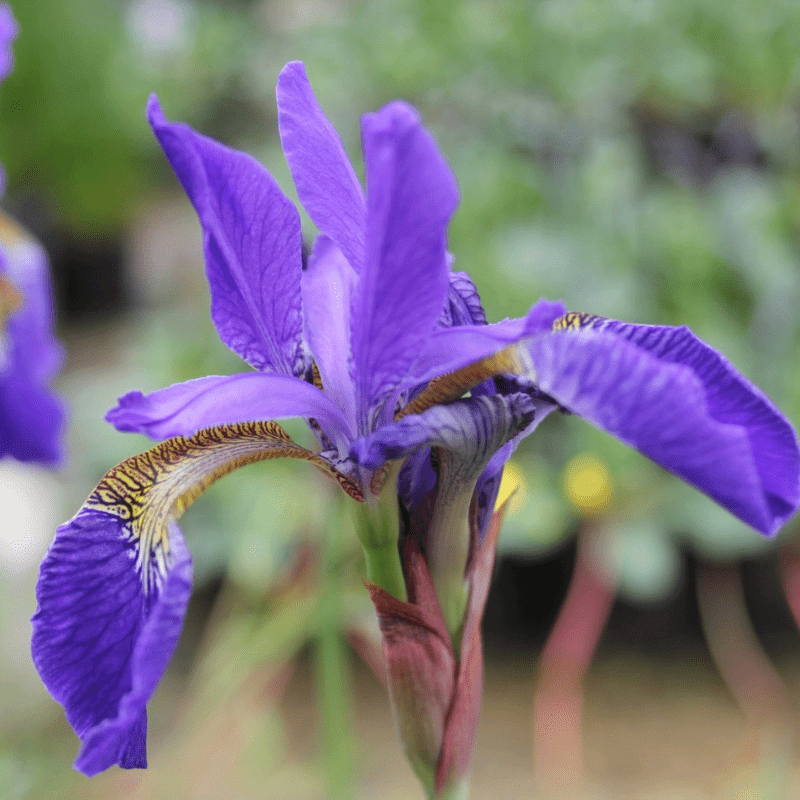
[411, 194]
[114, 585]
[731, 399]
[326, 184]
[328, 285]
[184, 408]
[100, 643]
[699, 419]
[252, 244]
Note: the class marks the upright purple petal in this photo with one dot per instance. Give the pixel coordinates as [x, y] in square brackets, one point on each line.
[411, 195]
[326, 184]
[184, 408]
[100, 642]
[32, 417]
[699, 419]
[252, 243]
[328, 285]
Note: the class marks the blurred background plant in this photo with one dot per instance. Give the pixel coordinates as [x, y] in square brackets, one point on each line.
[638, 160]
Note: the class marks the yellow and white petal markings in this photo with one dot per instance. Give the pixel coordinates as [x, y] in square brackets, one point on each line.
[575, 321]
[513, 359]
[150, 490]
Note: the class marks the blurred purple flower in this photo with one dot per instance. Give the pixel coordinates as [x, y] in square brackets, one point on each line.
[395, 339]
[31, 417]
[9, 29]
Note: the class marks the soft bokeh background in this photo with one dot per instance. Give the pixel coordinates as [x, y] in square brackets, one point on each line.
[637, 159]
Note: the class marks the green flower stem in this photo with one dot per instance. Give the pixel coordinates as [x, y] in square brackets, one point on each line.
[378, 528]
[332, 673]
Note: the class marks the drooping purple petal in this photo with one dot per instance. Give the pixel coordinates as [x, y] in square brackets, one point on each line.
[100, 643]
[184, 408]
[252, 243]
[411, 195]
[32, 417]
[681, 404]
[8, 32]
[326, 184]
[328, 285]
[731, 399]
[449, 349]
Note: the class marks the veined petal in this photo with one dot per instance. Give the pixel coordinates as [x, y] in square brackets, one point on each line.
[31, 416]
[184, 408]
[411, 195]
[326, 183]
[731, 399]
[114, 585]
[328, 285]
[252, 243]
[100, 642]
[681, 404]
[473, 429]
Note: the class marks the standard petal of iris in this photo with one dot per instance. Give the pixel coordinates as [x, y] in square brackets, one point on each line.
[252, 244]
[411, 195]
[328, 285]
[326, 184]
[100, 642]
[700, 419]
[183, 408]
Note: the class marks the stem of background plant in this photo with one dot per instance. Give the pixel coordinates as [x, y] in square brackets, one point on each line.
[567, 654]
[332, 670]
[748, 673]
[378, 528]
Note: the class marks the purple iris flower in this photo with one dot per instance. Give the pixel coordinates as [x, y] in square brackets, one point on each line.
[375, 343]
[31, 417]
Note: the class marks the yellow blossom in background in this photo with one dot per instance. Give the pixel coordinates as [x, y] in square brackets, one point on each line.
[587, 483]
[513, 488]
